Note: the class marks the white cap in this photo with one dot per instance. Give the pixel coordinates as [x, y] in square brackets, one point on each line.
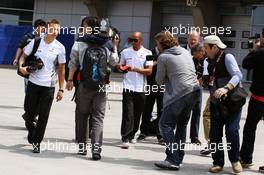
[213, 39]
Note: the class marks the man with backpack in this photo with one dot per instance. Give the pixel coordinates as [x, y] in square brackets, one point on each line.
[93, 57]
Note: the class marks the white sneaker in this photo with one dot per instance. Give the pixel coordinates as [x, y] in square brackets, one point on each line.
[133, 141]
[125, 145]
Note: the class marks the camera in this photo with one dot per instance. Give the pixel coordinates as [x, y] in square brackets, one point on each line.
[108, 31]
[152, 57]
[254, 39]
[34, 65]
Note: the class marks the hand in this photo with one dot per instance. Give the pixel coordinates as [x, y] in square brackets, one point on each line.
[59, 96]
[132, 69]
[15, 62]
[69, 85]
[23, 70]
[200, 80]
[256, 46]
[220, 92]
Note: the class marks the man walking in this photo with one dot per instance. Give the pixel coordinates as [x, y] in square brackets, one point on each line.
[49, 59]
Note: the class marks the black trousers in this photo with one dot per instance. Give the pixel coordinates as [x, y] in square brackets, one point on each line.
[255, 114]
[133, 106]
[147, 127]
[38, 98]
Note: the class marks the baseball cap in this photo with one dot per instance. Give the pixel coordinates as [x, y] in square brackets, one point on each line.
[213, 39]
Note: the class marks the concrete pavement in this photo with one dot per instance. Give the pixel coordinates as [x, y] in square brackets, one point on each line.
[16, 157]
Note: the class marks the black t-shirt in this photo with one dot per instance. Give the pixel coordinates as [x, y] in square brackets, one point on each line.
[255, 61]
[199, 67]
[25, 40]
[151, 79]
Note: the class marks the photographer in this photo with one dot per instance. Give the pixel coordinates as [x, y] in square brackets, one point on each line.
[255, 61]
[39, 31]
[50, 55]
[224, 76]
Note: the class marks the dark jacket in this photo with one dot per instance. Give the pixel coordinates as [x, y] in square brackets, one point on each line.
[255, 61]
[25, 40]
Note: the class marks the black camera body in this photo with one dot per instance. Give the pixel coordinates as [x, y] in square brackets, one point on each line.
[254, 39]
[34, 65]
[152, 57]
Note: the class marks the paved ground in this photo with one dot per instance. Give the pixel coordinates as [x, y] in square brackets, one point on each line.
[16, 157]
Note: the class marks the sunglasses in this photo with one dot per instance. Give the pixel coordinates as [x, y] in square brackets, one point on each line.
[133, 40]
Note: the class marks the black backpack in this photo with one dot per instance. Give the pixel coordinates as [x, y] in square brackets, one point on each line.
[94, 70]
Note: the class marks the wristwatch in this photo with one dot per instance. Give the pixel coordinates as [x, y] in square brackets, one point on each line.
[225, 87]
[61, 90]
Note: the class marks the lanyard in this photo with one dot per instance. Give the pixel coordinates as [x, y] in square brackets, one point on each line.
[212, 77]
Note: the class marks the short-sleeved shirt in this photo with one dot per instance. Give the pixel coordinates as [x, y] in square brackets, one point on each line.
[132, 80]
[51, 54]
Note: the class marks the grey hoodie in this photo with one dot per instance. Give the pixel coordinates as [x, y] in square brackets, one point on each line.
[176, 71]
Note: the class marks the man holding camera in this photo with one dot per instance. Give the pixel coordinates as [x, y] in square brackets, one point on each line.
[224, 75]
[255, 61]
[49, 58]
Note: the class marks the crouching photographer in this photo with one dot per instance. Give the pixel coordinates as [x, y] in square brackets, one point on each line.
[254, 61]
[43, 57]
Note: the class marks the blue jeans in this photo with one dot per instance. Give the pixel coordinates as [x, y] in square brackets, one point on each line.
[232, 136]
[196, 115]
[176, 115]
[255, 113]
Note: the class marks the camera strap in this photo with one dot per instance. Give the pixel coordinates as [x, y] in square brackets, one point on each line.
[212, 77]
[35, 47]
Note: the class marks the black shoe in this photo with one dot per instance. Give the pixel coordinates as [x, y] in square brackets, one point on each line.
[141, 137]
[196, 141]
[205, 151]
[36, 148]
[167, 165]
[82, 149]
[30, 136]
[96, 156]
[261, 169]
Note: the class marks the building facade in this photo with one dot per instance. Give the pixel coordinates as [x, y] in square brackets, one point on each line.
[150, 16]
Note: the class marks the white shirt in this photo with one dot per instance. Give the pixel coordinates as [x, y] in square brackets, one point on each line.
[51, 54]
[132, 80]
[205, 71]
